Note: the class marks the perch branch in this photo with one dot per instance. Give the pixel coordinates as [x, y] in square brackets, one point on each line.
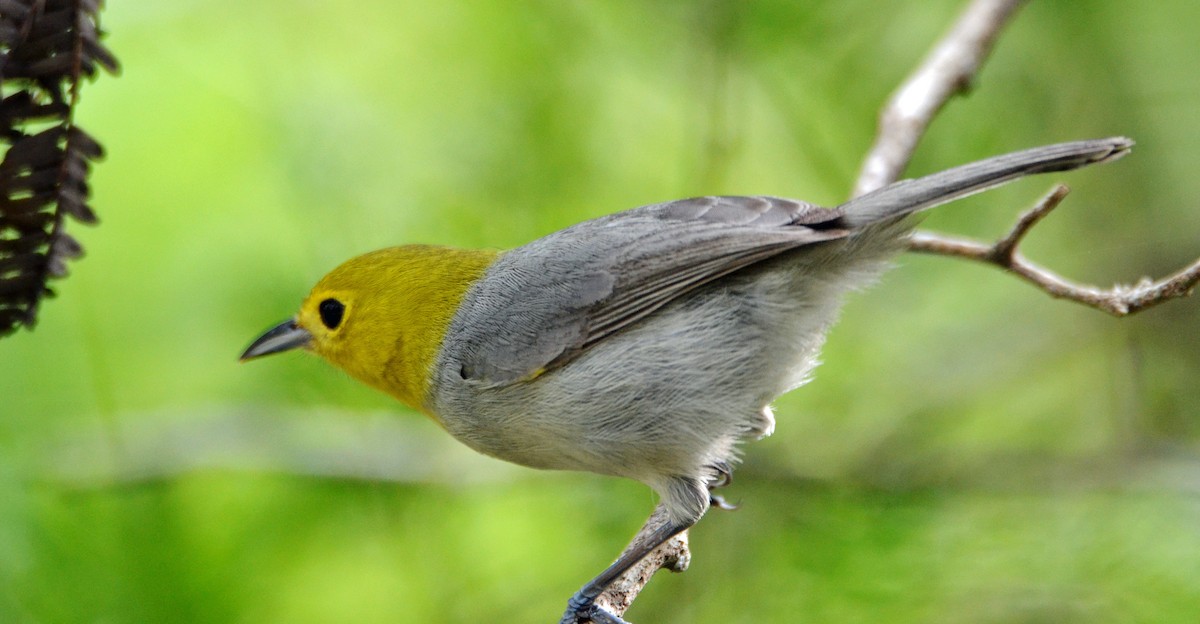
[672, 555]
[1118, 300]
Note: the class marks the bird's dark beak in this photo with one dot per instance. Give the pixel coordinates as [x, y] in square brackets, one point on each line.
[283, 337]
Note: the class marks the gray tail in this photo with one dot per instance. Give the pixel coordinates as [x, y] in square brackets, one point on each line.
[909, 196]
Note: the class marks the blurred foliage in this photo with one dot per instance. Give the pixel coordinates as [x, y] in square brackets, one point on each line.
[47, 48]
[972, 451]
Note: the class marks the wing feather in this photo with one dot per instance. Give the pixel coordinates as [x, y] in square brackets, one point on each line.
[543, 304]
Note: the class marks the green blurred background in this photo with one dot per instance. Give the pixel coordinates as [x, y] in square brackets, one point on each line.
[972, 451]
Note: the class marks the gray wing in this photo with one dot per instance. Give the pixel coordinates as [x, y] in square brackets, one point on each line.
[542, 304]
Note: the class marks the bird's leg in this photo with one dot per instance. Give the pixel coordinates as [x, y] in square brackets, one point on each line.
[582, 606]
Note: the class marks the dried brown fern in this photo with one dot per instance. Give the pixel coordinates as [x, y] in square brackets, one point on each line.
[47, 47]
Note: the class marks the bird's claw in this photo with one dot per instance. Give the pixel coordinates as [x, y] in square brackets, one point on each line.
[717, 501]
[583, 610]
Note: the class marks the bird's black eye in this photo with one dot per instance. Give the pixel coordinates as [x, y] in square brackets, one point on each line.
[331, 312]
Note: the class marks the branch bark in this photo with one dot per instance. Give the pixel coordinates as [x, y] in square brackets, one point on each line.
[672, 555]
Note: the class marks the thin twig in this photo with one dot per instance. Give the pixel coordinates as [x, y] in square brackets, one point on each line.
[1117, 300]
[946, 71]
[1005, 248]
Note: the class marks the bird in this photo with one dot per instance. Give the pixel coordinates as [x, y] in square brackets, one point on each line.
[646, 344]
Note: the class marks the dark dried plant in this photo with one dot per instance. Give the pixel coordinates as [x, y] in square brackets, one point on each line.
[47, 48]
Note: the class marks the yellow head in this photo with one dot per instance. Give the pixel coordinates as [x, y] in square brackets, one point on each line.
[381, 316]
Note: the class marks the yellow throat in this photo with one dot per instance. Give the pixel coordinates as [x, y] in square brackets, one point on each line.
[398, 303]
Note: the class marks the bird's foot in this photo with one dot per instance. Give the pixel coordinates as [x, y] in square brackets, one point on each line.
[584, 610]
[721, 477]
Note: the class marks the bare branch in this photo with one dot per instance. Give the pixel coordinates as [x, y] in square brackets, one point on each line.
[947, 70]
[1118, 300]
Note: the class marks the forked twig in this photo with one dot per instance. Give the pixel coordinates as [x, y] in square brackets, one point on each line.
[945, 72]
[1118, 300]
[1004, 249]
